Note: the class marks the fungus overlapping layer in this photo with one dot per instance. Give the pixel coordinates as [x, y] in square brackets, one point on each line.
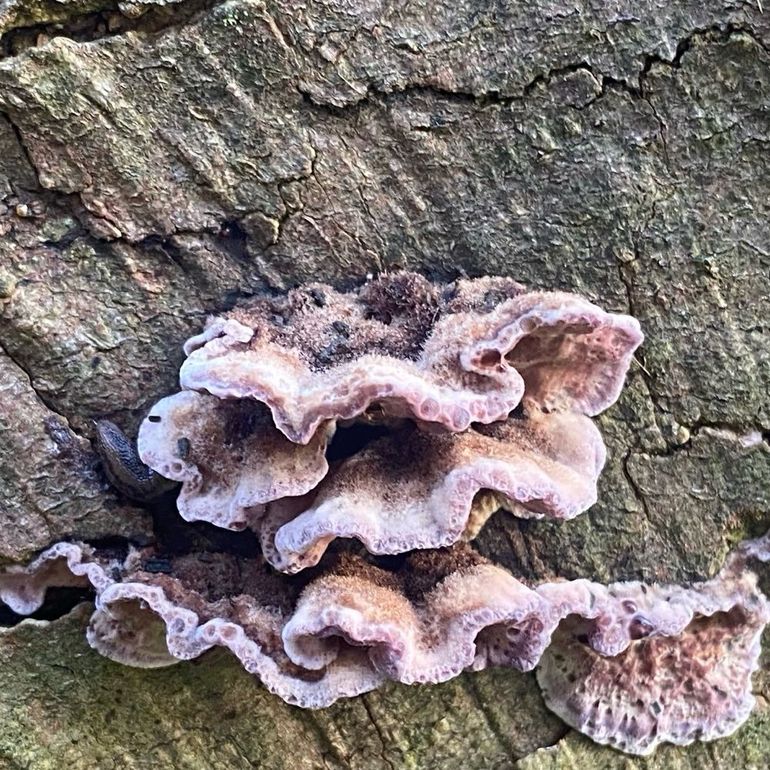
[486, 388]
[418, 490]
[483, 394]
[628, 664]
[228, 455]
[442, 355]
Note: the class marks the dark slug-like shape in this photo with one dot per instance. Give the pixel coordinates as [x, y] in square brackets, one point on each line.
[122, 466]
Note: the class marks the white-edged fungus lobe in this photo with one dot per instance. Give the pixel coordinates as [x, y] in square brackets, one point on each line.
[443, 355]
[423, 490]
[228, 456]
[628, 664]
[487, 390]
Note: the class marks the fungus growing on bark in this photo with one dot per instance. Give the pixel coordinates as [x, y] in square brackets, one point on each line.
[442, 366]
[482, 394]
[420, 490]
[628, 664]
[400, 346]
[682, 678]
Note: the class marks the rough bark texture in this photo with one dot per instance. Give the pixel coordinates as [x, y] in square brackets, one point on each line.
[160, 161]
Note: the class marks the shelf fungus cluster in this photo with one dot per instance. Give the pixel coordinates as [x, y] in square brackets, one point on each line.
[471, 397]
[483, 392]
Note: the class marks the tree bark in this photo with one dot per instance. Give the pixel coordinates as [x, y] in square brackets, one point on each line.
[161, 161]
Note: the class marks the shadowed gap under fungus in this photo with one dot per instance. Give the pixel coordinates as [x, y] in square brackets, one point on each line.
[350, 440]
[58, 602]
[109, 21]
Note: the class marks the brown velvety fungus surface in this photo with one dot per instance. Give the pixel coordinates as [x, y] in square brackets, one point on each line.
[405, 347]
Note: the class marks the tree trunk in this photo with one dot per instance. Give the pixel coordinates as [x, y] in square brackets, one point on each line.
[160, 161]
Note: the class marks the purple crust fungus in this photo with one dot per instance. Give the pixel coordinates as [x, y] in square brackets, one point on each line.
[627, 664]
[487, 390]
[481, 395]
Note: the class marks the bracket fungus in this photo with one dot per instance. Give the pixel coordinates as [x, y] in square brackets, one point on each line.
[486, 390]
[478, 395]
[229, 456]
[445, 356]
[420, 490]
[627, 664]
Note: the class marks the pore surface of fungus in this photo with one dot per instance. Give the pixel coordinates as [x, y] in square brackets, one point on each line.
[628, 664]
[676, 682]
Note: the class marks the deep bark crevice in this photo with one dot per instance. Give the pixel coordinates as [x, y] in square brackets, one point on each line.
[108, 21]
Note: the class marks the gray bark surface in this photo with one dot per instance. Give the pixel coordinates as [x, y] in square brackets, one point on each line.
[160, 161]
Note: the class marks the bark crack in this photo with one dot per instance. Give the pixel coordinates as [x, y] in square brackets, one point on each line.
[324, 741]
[379, 731]
[24, 150]
[47, 403]
[106, 22]
[721, 31]
[492, 721]
[638, 494]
